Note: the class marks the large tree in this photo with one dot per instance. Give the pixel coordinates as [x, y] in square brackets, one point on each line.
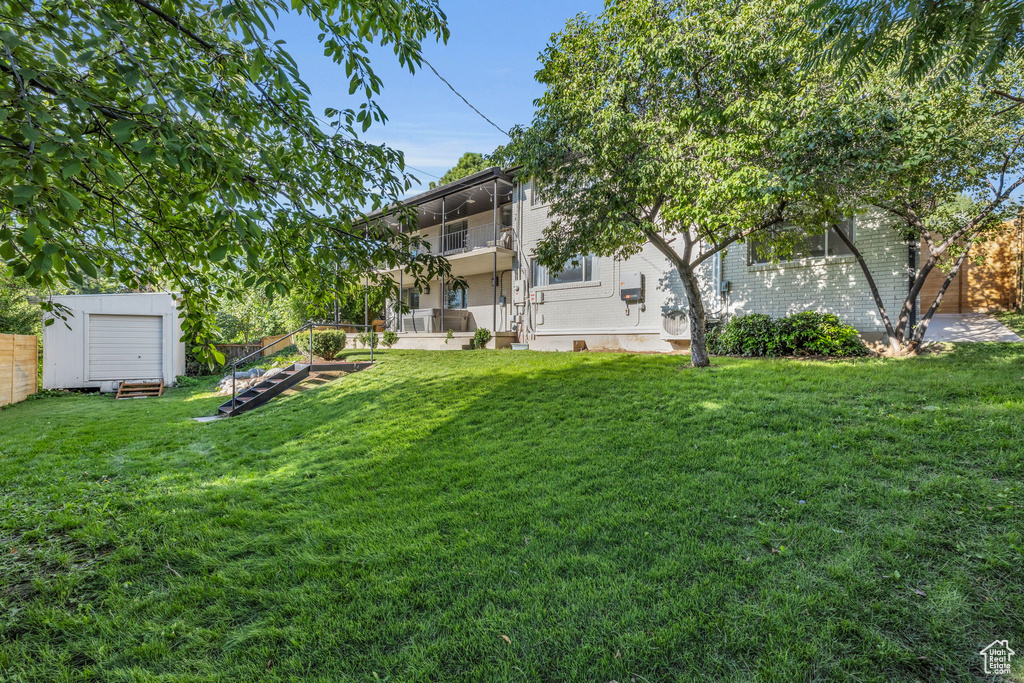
[661, 124]
[944, 165]
[173, 143]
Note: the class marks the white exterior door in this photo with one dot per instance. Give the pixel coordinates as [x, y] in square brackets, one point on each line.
[125, 347]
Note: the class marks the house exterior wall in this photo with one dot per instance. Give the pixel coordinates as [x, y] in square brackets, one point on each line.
[66, 346]
[595, 313]
[833, 284]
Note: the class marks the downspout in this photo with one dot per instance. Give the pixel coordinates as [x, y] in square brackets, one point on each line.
[440, 250]
[494, 270]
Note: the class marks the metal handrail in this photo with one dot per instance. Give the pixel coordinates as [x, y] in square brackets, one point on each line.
[311, 325]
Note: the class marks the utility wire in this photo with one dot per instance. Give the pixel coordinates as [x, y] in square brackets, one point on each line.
[468, 104]
[413, 168]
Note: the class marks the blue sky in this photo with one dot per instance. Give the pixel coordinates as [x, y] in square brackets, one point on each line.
[491, 58]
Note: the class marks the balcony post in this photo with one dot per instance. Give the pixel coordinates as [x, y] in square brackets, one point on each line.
[444, 217]
[494, 269]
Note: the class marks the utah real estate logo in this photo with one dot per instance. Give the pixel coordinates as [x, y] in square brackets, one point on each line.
[996, 656]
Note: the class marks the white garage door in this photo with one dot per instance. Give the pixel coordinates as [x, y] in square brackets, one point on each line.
[126, 347]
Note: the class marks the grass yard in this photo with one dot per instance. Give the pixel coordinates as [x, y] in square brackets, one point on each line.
[525, 516]
[1012, 319]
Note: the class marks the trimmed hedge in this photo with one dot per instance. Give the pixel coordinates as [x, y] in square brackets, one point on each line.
[802, 334]
[327, 344]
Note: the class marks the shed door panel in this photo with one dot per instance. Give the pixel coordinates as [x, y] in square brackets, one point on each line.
[125, 347]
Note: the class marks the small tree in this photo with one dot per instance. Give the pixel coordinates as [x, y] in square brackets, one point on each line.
[17, 315]
[942, 164]
[660, 124]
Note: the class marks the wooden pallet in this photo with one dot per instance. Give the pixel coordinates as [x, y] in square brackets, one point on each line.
[140, 389]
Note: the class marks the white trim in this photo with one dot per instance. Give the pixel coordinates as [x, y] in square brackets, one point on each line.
[567, 285]
[808, 262]
[622, 330]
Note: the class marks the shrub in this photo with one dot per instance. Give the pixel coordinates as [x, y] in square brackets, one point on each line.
[803, 334]
[747, 335]
[327, 344]
[481, 337]
[368, 338]
[824, 334]
[390, 338]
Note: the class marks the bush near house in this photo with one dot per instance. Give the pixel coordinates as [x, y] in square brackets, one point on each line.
[327, 344]
[368, 338]
[481, 337]
[802, 334]
[390, 338]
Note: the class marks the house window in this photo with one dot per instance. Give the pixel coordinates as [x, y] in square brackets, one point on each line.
[506, 216]
[411, 296]
[536, 197]
[577, 269]
[456, 298]
[824, 245]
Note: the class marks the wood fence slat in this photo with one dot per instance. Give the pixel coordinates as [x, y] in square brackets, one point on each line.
[6, 368]
[19, 367]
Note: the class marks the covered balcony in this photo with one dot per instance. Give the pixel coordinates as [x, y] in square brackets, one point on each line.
[469, 222]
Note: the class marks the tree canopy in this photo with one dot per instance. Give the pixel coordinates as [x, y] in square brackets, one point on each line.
[468, 164]
[955, 39]
[661, 123]
[173, 144]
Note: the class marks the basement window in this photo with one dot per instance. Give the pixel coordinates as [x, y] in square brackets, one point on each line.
[824, 245]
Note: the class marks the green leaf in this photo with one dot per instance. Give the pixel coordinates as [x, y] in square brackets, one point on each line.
[122, 130]
[72, 169]
[72, 202]
[219, 253]
[113, 177]
[22, 194]
[85, 264]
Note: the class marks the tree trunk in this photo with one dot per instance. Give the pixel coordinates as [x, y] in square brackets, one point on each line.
[695, 305]
[922, 325]
[895, 343]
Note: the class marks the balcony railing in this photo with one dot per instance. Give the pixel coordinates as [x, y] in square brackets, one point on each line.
[459, 241]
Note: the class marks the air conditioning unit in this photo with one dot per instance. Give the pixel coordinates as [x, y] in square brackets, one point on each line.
[675, 325]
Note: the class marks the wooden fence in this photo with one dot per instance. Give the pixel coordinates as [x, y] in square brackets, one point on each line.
[233, 352]
[281, 341]
[19, 367]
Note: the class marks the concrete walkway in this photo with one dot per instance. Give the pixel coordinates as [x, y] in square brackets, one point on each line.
[968, 327]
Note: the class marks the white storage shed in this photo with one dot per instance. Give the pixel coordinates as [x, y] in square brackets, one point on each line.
[113, 337]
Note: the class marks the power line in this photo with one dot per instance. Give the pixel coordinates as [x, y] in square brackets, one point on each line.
[468, 104]
[418, 170]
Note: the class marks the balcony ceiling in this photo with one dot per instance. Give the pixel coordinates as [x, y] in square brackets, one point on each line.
[463, 204]
[462, 198]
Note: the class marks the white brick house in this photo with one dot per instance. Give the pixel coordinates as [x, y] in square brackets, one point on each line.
[488, 226]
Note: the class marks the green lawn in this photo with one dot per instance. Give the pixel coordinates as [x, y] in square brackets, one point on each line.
[523, 516]
[1012, 319]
